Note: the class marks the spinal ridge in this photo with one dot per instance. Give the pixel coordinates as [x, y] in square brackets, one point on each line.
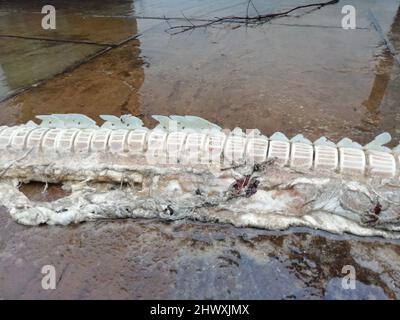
[177, 135]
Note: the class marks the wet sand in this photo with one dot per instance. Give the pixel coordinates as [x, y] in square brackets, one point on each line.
[148, 259]
[298, 74]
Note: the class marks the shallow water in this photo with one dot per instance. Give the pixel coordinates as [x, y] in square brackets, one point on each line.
[299, 74]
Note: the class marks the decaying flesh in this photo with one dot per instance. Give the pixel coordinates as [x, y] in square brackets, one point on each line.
[105, 185]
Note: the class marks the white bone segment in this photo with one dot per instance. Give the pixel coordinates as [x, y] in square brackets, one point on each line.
[381, 164]
[65, 140]
[325, 157]
[156, 145]
[164, 122]
[180, 122]
[301, 156]
[117, 140]
[49, 139]
[157, 140]
[35, 138]
[279, 136]
[50, 121]
[200, 123]
[75, 120]
[179, 138]
[20, 138]
[323, 141]
[378, 143]
[124, 122]
[110, 121]
[214, 147]
[194, 147]
[6, 136]
[351, 161]
[175, 145]
[234, 149]
[300, 139]
[136, 141]
[83, 139]
[256, 149]
[100, 140]
[2, 128]
[280, 151]
[131, 122]
[397, 156]
[348, 143]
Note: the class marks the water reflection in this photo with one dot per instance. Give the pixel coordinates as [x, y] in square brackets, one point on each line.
[384, 75]
[273, 77]
[26, 57]
[4, 88]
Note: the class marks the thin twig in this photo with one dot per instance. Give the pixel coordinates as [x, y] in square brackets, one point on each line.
[254, 7]
[167, 21]
[259, 18]
[247, 9]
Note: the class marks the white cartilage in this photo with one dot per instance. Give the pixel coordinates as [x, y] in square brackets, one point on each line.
[50, 121]
[126, 121]
[100, 140]
[348, 144]
[20, 138]
[175, 145]
[301, 156]
[117, 141]
[194, 147]
[164, 122]
[65, 140]
[378, 144]
[352, 161]
[234, 149]
[156, 146]
[397, 157]
[49, 139]
[35, 138]
[157, 139]
[299, 138]
[256, 149]
[82, 140]
[381, 164]
[280, 151]
[3, 128]
[136, 141]
[326, 157]
[180, 122]
[7, 135]
[75, 120]
[197, 123]
[214, 147]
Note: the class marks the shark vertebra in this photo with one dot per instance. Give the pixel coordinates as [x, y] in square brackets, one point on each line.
[204, 161]
[175, 138]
